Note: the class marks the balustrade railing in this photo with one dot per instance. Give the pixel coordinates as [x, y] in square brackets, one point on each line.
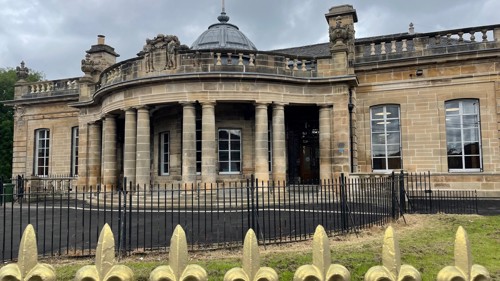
[44, 87]
[424, 43]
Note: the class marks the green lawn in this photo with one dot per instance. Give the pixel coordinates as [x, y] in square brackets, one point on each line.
[426, 242]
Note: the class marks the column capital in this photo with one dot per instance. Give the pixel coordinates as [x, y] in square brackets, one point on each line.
[108, 116]
[277, 104]
[261, 104]
[95, 123]
[187, 103]
[325, 105]
[210, 103]
[142, 107]
[129, 109]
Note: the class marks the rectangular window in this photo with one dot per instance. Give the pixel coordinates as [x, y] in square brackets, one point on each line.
[229, 151]
[164, 153]
[463, 139]
[386, 137]
[74, 151]
[270, 146]
[42, 152]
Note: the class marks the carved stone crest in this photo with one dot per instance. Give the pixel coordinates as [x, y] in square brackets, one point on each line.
[167, 45]
[341, 35]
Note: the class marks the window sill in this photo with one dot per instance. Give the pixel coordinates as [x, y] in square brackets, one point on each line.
[229, 173]
[457, 171]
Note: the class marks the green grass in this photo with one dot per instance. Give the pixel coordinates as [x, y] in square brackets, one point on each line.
[427, 243]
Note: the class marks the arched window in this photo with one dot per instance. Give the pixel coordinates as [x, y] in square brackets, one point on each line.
[42, 152]
[463, 140]
[386, 137]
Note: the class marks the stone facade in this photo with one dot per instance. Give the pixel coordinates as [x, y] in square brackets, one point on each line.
[180, 115]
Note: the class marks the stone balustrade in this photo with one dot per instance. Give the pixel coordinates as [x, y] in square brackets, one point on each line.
[190, 62]
[53, 87]
[419, 44]
[321, 269]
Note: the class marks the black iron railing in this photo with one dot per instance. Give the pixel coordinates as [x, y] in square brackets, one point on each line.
[213, 216]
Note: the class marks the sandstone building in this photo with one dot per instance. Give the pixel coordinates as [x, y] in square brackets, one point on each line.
[221, 110]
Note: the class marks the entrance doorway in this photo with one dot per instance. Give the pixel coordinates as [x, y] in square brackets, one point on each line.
[302, 127]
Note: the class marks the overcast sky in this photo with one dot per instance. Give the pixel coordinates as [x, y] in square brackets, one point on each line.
[52, 35]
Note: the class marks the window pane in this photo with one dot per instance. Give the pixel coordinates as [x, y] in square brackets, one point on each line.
[378, 126]
[223, 156]
[470, 107]
[393, 150]
[224, 166]
[471, 121]
[392, 111]
[393, 126]
[453, 135]
[377, 112]
[379, 164]
[235, 134]
[454, 148]
[393, 138]
[378, 138]
[452, 108]
[235, 166]
[223, 145]
[223, 135]
[394, 163]
[453, 122]
[472, 162]
[378, 150]
[235, 156]
[235, 145]
[471, 148]
[455, 162]
[471, 135]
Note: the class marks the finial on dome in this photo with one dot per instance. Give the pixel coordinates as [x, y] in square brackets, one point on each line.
[223, 18]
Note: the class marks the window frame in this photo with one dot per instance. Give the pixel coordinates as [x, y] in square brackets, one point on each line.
[229, 151]
[477, 128]
[385, 120]
[75, 133]
[162, 159]
[45, 152]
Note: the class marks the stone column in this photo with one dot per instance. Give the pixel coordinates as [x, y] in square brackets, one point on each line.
[279, 144]
[94, 154]
[325, 146]
[208, 144]
[130, 146]
[261, 156]
[109, 152]
[188, 143]
[143, 156]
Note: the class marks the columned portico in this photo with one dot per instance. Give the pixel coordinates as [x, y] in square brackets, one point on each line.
[261, 158]
[278, 143]
[188, 143]
[325, 147]
[143, 161]
[129, 155]
[208, 145]
[94, 154]
[109, 164]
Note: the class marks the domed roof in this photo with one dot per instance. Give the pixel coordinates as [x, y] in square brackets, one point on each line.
[223, 35]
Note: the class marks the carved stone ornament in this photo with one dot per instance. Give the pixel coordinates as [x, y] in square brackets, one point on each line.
[27, 267]
[463, 269]
[391, 269]
[105, 267]
[169, 44]
[251, 270]
[178, 270]
[22, 72]
[340, 35]
[322, 268]
[87, 66]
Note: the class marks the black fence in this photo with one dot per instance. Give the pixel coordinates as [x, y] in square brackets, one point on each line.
[215, 216]
[68, 219]
[418, 196]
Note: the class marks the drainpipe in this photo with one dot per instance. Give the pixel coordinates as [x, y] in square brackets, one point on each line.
[351, 137]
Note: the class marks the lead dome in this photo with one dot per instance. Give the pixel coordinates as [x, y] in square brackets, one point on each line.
[223, 35]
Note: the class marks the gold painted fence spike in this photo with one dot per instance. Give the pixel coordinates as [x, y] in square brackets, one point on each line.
[27, 266]
[251, 270]
[322, 269]
[178, 270]
[463, 268]
[391, 268]
[105, 267]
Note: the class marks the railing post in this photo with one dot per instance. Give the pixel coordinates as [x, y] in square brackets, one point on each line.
[402, 193]
[343, 202]
[252, 197]
[393, 195]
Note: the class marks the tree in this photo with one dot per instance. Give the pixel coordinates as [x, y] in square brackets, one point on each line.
[8, 79]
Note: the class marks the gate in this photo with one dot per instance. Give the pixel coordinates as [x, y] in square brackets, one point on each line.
[418, 196]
